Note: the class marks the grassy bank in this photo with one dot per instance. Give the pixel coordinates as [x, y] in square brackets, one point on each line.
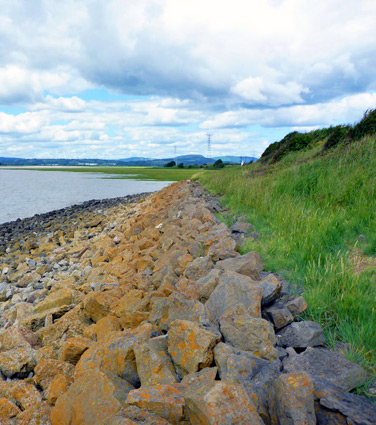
[317, 217]
[135, 173]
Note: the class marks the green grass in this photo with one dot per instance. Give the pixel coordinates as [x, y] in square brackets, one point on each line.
[135, 173]
[313, 213]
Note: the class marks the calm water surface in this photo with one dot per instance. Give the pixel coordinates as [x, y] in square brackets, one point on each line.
[24, 193]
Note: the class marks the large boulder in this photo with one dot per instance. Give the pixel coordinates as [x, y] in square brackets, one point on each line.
[190, 346]
[233, 291]
[331, 365]
[249, 334]
[301, 335]
[295, 402]
[218, 403]
[154, 365]
[91, 399]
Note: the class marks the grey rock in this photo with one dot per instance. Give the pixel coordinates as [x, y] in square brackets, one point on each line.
[198, 267]
[249, 264]
[336, 403]
[207, 284]
[284, 311]
[241, 227]
[331, 365]
[295, 399]
[301, 335]
[270, 287]
[234, 290]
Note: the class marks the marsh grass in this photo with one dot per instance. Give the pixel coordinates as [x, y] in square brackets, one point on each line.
[311, 212]
[134, 173]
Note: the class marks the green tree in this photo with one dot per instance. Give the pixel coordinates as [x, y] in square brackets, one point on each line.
[218, 164]
[170, 164]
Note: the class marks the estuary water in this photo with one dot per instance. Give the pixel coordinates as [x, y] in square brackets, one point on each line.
[24, 193]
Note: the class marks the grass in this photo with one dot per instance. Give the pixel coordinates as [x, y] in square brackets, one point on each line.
[314, 214]
[134, 173]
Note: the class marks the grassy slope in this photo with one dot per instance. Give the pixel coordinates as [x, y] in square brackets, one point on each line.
[317, 218]
[139, 173]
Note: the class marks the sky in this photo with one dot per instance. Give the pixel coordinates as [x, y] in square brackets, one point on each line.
[123, 78]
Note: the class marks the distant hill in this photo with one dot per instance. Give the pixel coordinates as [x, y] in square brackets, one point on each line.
[236, 159]
[132, 161]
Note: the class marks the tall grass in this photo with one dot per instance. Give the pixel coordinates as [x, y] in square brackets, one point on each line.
[312, 213]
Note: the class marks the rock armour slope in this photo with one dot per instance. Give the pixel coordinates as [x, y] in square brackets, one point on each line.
[146, 313]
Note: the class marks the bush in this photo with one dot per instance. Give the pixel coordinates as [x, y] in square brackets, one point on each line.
[181, 165]
[218, 164]
[170, 164]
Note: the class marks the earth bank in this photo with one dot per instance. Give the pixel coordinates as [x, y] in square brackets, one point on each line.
[145, 313]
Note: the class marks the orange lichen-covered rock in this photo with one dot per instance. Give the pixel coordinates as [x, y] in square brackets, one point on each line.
[98, 304]
[295, 401]
[73, 349]
[115, 354]
[48, 369]
[39, 414]
[90, 400]
[133, 308]
[8, 409]
[217, 403]
[106, 325]
[57, 387]
[249, 264]
[166, 401]
[26, 395]
[154, 365]
[190, 346]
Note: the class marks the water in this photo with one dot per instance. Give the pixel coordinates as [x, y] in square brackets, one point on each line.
[24, 193]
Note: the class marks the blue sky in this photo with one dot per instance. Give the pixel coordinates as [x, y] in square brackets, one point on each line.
[119, 78]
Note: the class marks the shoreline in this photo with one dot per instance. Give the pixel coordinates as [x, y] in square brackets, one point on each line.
[40, 223]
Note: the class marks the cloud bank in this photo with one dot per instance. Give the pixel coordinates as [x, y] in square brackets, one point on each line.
[119, 78]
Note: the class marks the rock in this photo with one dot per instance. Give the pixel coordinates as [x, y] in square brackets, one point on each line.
[271, 287]
[206, 284]
[8, 409]
[106, 325]
[234, 290]
[48, 369]
[255, 374]
[249, 264]
[294, 396]
[331, 365]
[18, 336]
[208, 374]
[190, 347]
[131, 415]
[115, 355]
[217, 403]
[28, 279]
[154, 365]
[337, 406]
[90, 399]
[39, 414]
[284, 311]
[198, 267]
[249, 334]
[301, 335]
[241, 227]
[73, 349]
[159, 309]
[57, 387]
[26, 395]
[98, 304]
[17, 362]
[166, 401]
[224, 248]
[132, 309]
[58, 298]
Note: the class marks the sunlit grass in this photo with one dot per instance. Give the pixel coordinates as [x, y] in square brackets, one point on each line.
[135, 173]
[312, 211]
